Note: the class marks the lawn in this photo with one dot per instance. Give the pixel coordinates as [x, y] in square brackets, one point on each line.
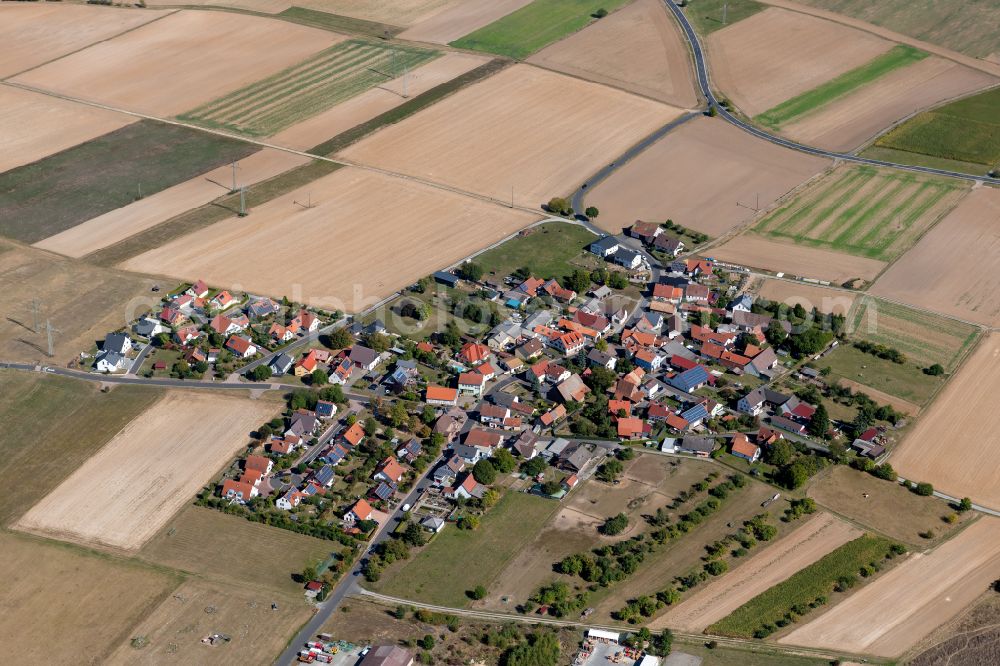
[864, 211]
[51, 426]
[926, 338]
[337, 23]
[196, 538]
[535, 26]
[51, 195]
[904, 380]
[814, 581]
[706, 15]
[548, 250]
[967, 130]
[314, 85]
[458, 560]
[900, 55]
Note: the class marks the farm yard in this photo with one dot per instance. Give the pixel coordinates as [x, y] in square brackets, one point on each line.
[801, 260]
[52, 195]
[461, 19]
[534, 26]
[33, 126]
[388, 216]
[98, 599]
[696, 175]
[122, 495]
[809, 296]
[309, 87]
[906, 604]
[179, 62]
[967, 237]
[172, 632]
[638, 48]
[953, 446]
[807, 543]
[192, 540]
[52, 425]
[864, 211]
[525, 128]
[138, 216]
[885, 507]
[776, 55]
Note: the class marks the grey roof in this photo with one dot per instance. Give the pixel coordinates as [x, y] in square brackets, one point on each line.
[281, 363]
[146, 326]
[363, 355]
[578, 457]
[606, 244]
[432, 523]
[700, 444]
[626, 255]
[116, 342]
[597, 356]
[114, 358]
[388, 655]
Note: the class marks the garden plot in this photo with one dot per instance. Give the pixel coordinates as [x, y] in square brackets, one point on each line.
[525, 129]
[344, 241]
[777, 54]
[178, 62]
[121, 496]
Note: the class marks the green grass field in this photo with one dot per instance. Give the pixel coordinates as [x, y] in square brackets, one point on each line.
[803, 587]
[916, 159]
[899, 56]
[58, 192]
[52, 425]
[926, 338]
[967, 131]
[903, 380]
[864, 211]
[546, 250]
[314, 85]
[534, 26]
[458, 560]
[706, 15]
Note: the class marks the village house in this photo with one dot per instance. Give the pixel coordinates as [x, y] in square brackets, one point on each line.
[241, 347]
[447, 472]
[741, 447]
[440, 395]
[605, 247]
[364, 358]
[389, 470]
[361, 510]
[471, 383]
[410, 451]
[469, 488]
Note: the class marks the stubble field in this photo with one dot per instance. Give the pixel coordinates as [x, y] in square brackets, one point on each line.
[901, 607]
[121, 496]
[776, 55]
[179, 62]
[366, 236]
[638, 48]
[810, 262]
[525, 128]
[461, 19]
[398, 12]
[696, 175]
[968, 241]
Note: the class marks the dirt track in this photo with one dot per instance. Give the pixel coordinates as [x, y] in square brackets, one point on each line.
[460, 20]
[526, 128]
[366, 236]
[894, 612]
[121, 496]
[174, 64]
[775, 55]
[33, 126]
[122, 223]
[756, 252]
[638, 48]
[696, 175]
[819, 535]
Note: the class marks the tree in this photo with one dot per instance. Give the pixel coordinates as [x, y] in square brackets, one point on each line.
[780, 453]
[610, 471]
[579, 281]
[468, 523]
[398, 414]
[260, 373]
[477, 593]
[339, 339]
[535, 466]
[540, 650]
[319, 377]
[504, 461]
[427, 642]
[471, 271]
[600, 379]
[379, 342]
[885, 471]
[819, 424]
[559, 206]
[591, 212]
[925, 489]
[551, 487]
[712, 111]
[614, 525]
[600, 13]
[370, 426]
[934, 370]
[617, 280]
[965, 504]
[484, 472]
[716, 567]
[491, 497]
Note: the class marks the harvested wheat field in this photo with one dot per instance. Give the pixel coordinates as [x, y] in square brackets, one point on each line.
[697, 174]
[882, 398]
[368, 235]
[809, 262]
[777, 54]
[968, 237]
[263, 6]
[899, 609]
[397, 12]
[954, 446]
[851, 120]
[638, 48]
[525, 128]
[64, 603]
[37, 32]
[121, 223]
[179, 62]
[809, 296]
[172, 633]
[122, 495]
[809, 542]
[83, 302]
[33, 126]
[342, 117]
[461, 19]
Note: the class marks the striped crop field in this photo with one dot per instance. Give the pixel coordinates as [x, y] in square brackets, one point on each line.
[314, 85]
[926, 338]
[864, 211]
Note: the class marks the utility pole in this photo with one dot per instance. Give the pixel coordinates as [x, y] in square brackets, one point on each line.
[234, 188]
[140, 192]
[243, 202]
[725, 12]
[34, 311]
[49, 330]
[405, 75]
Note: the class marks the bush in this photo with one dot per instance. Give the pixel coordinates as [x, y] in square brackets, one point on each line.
[717, 567]
[484, 472]
[560, 206]
[925, 489]
[934, 370]
[614, 525]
